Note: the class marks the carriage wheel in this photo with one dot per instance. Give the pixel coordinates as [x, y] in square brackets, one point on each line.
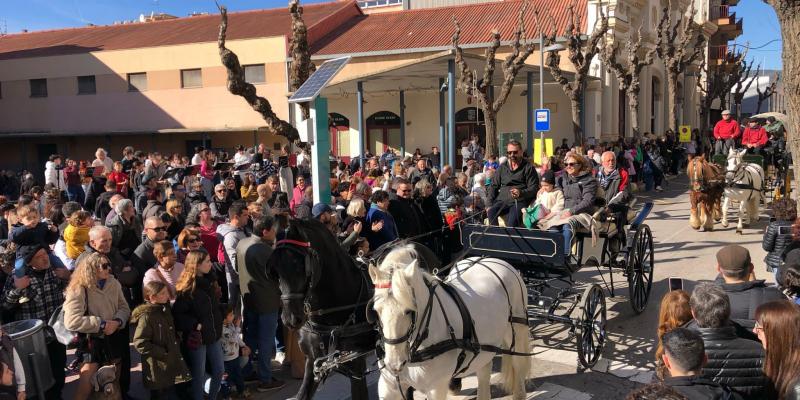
[591, 317]
[640, 268]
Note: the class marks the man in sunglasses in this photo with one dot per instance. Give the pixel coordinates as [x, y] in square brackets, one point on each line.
[513, 187]
[143, 257]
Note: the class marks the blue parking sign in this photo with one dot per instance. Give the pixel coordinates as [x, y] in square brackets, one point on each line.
[541, 118]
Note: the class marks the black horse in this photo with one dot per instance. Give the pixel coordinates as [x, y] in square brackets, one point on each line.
[324, 295]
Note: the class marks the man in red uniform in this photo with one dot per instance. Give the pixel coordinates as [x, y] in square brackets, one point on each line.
[726, 131]
[754, 137]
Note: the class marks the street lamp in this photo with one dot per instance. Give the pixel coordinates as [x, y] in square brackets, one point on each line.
[542, 50]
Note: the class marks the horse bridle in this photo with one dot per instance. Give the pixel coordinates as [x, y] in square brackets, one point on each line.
[311, 266]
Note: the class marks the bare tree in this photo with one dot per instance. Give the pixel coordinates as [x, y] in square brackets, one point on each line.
[469, 83]
[628, 75]
[788, 12]
[300, 69]
[718, 84]
[675, 48]
[581, 50]
[743, 82]
[768, 92]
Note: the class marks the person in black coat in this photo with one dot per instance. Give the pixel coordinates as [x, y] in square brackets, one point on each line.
[102, 205]
[513, 187]
[778, 235]
[198, 316]
[434, 221]
[407, 215]
[737, 280]
[684, 356]
[732, 360]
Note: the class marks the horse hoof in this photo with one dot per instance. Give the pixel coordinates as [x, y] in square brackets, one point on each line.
[695, 227]
[724, 224]
[739, 231]
[455, 385]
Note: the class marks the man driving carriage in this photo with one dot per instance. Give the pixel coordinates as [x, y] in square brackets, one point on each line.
[754, 138]
[513, 187]
[726, 132]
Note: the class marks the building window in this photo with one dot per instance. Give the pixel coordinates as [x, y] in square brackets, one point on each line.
[378, 3]
[38, 87]
[255, 73]
[86, 85]
[137, 82]
[191, 78]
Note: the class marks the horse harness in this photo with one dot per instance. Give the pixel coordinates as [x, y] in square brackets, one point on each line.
[698, 178]
[468, 343]
[312, 271]
[741, 170]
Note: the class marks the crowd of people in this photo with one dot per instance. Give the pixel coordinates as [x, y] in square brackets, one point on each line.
[171, 251]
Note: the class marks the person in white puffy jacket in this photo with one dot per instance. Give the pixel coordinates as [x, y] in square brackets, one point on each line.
[53, 173]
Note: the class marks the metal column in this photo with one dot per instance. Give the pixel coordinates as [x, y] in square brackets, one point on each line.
[441, 124]
[402, 124]
[529, 113]
[451, 113]
[320, 152]
[361, 135]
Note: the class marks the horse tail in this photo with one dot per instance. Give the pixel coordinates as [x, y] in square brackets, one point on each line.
[515, 369]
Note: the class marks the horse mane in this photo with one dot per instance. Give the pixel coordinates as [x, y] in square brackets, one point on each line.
[398, 258]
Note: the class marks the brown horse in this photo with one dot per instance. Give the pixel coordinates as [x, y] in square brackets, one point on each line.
[706, 187]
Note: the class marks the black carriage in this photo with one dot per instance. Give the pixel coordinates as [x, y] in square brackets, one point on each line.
[553, 293]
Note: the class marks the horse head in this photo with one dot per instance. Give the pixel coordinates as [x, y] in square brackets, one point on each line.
[396, 304]
[734, 161]
[296, 265]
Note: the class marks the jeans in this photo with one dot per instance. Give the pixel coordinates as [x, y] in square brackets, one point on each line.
[259, 334]
[566, 232]
[235, 377]
[197, 363]
[513, 213]
[280, 345]
[723, 146]
[75, 193]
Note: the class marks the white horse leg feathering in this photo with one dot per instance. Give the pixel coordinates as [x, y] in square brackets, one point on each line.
[745, 184]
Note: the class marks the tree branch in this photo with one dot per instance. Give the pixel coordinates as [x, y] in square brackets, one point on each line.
[238, 86]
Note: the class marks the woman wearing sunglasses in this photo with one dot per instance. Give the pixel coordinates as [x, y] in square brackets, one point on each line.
[778, 329]
[188, 240]
[95, 306]
[579, 188]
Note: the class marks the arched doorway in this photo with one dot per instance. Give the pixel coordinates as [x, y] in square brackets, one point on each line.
[469, 121]
[655, 103]
[339, 128]
[383, 131]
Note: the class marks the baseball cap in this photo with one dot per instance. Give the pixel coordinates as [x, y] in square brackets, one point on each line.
[726, 112]
[549, 177]
[733, 258]
[319, 209]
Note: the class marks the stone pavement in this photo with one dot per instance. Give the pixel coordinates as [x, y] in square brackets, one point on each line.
[627, 360]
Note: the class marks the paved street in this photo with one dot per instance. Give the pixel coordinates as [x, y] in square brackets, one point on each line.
[627, 360]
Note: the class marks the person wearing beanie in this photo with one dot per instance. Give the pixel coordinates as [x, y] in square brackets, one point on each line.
[549, 201]
[737, 279]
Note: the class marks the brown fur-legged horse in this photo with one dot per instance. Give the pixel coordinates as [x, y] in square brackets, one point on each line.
[706, 187]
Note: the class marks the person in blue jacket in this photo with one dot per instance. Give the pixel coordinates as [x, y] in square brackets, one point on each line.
[384, 230]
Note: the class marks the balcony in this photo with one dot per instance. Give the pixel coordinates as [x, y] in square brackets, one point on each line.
[723, 55]
[726, 20]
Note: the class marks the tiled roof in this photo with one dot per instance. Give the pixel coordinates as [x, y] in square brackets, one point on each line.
[205, 28]
[433, 27]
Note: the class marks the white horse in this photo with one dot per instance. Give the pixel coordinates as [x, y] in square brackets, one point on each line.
[414, 311]
[744, 182]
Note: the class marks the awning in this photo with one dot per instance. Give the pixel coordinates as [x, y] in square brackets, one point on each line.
[22, 135]
[424, 74]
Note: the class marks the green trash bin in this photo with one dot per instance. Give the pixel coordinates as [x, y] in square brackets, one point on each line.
[28, 338]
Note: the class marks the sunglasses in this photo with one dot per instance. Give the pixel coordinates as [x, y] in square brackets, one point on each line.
[511, 153]
[158, 229]
[757, 327]
[193, 240]
[571, 164]
[221, 191]
[205, 209]
[105, 266]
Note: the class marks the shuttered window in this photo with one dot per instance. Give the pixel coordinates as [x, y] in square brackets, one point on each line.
[137, 82]
[255, 73]
[87, 85]
[191, 78]
[38, 87]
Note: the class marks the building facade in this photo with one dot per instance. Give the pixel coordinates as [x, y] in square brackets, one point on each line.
[160, 86]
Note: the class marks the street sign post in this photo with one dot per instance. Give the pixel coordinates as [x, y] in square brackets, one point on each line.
[542, 119]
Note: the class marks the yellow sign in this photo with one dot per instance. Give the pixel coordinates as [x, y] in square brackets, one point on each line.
[685, 134]
[537, 149]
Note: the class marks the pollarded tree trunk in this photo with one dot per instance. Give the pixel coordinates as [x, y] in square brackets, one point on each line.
[575, 105]
[633, 110]
[789, 17]
[672, 97]
[490, 123]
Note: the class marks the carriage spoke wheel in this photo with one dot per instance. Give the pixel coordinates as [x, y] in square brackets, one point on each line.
[591, 319]
[640, 268]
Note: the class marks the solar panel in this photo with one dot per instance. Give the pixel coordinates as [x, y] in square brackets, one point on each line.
[317, 81]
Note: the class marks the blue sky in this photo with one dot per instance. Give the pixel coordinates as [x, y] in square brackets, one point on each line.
[760, 23]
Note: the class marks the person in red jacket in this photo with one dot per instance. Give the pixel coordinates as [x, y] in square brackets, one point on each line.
[726, 132]
[754, 137]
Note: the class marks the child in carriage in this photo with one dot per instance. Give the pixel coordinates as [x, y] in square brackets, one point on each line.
[549, 202]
